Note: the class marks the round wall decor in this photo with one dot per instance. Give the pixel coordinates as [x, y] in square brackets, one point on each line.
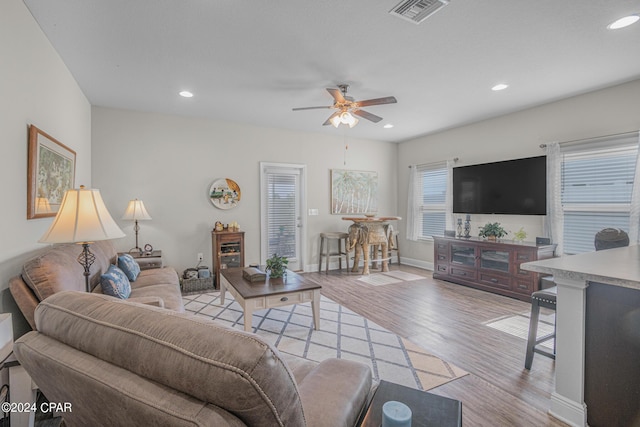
[224, 193]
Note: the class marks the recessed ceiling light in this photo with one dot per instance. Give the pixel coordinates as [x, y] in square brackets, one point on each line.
[186, 94]
[500, 86]
[623, 22]
[388, 126]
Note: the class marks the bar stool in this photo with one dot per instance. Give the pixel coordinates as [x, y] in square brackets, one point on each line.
[393, 245]
[328, 254]
[544, 298]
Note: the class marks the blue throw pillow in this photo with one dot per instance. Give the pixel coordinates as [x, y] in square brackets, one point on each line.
[115, 283]
[130, 266]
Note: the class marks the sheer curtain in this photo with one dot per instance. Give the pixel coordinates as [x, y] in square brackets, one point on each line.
[450, 220]
[554, 221]
[634, 212]
[412, 204]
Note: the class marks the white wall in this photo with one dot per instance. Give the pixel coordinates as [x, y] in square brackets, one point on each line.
[169, 162]
[604, 112]
[35, 88]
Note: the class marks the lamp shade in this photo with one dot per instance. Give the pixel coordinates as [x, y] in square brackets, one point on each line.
[82, 217]
[136, 211]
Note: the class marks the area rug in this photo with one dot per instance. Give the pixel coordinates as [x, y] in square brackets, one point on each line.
[343, 334]
[389, 278]
[517, 325]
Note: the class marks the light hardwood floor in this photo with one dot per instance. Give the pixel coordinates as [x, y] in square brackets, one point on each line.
[449, 320]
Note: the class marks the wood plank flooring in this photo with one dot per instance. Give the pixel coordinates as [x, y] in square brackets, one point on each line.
[449, 320]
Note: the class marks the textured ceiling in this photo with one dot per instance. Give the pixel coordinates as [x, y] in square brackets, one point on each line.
[253, 61]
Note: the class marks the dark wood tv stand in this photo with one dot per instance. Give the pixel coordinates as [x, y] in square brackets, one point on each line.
[492, 266]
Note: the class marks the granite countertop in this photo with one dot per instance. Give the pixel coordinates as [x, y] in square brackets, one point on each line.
[618, 267]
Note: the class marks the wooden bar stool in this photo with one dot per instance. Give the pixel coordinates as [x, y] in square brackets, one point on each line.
[544, 298]
[325, 241]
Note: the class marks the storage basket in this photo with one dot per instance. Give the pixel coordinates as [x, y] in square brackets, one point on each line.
[197, 284]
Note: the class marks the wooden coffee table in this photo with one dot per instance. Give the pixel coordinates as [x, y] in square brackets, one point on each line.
[292, 289]
[427, 409]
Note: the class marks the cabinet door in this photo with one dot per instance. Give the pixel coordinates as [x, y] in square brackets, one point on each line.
[494, 259]
[463, 255]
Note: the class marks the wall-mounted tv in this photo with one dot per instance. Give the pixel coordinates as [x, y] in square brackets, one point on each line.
[512, 187]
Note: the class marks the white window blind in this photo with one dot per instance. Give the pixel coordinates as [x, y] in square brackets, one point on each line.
[597, 185]
[433, 184]
[281, 211]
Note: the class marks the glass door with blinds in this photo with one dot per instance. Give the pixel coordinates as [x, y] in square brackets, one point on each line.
[282, 220]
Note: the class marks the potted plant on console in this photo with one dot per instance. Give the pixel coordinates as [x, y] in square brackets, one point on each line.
[492, 231]
[277, 266]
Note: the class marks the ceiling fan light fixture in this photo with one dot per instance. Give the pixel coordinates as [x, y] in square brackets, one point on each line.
[335, 121]
[348, 119]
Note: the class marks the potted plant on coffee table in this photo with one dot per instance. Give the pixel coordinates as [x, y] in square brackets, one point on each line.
[277, 266]
[492, 231]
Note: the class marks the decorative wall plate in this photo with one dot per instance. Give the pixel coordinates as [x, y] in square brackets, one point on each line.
[224, 193]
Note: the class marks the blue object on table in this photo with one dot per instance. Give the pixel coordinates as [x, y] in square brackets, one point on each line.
[396, 414]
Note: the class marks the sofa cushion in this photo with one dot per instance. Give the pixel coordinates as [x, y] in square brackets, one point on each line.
[231, 369]
[115, 283]
[103, 394]
[57, 269]
[129, 265]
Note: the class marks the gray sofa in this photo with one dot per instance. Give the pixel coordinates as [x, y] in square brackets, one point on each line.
[125, 364]
[56, 269]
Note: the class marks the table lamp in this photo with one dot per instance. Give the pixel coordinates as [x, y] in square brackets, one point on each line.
[136, 212]
[83, 218]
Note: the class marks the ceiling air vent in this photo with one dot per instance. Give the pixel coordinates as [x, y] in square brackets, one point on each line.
[417, 11]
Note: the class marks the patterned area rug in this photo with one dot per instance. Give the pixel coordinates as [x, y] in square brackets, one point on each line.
[343, 334]
[389, 278]
[518, 326]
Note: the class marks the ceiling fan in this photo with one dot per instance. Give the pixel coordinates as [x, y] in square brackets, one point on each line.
[347, 107]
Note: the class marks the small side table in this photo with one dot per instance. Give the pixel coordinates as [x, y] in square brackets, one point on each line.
[427, 409]
[147, 260]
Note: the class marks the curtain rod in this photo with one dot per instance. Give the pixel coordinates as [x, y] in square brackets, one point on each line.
[455, 159]
[592, 138]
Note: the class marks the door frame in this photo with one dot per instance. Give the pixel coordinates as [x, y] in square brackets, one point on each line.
[264, 238]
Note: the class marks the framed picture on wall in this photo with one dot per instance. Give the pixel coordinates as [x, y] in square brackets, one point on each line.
[353, 192]
[51, 172]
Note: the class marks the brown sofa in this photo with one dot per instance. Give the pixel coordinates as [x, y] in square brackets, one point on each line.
[120, 363]
[56, 269]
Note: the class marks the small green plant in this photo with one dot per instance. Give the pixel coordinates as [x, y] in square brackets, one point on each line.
[520, 235]
[277, 266]
[492, 229]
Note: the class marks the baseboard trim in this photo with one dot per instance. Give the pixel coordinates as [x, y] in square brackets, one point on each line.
[568, 411]
[335, 265]
[425, 265]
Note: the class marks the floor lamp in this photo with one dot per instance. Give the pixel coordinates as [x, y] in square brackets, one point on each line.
[136, 212]
[83, 219]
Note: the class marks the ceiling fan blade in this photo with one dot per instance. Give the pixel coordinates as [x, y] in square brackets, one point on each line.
[337, 95]
[366, 115]
[328, 122]
[377, 101]
[310, 108]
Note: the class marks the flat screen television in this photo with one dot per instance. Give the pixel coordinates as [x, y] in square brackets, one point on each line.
[511, 187]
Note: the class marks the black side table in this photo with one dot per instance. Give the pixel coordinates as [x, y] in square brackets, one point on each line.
[427, 409]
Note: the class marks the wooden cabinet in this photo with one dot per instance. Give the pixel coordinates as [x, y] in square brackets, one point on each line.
[490, 266]
[227, 248]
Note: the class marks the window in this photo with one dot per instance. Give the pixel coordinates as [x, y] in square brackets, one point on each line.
[432, 181]
[597, 184]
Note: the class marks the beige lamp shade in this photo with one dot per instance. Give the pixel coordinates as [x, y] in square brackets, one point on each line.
[82, 217]
[136, 211]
